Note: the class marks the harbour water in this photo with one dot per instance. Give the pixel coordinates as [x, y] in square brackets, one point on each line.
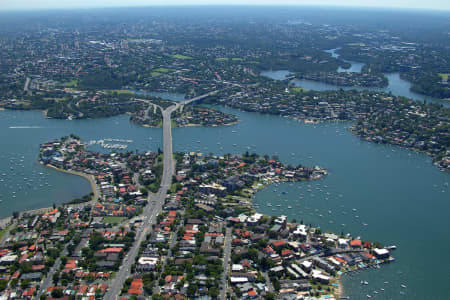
[170, 96]
[354, 66]
[396, 85]
[380, 192]
[25, 184]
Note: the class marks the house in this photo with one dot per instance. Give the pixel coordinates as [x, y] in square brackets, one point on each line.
[355, 244]
[381, 253]
[147, 263]
[36, 276]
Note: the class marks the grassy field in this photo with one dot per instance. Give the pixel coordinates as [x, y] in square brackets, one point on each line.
[72, 83]
[444, 76]
[4, 231]
[298, 90]
[114, 220]
[155, 74]
[179, 56]
[221, 59]
[236, 59]
[162, 70]
[120, 92]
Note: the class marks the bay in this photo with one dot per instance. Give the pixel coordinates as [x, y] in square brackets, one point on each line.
[25, 184]
[165, 95]
[396, 85]
[398, 193]
[380, 192]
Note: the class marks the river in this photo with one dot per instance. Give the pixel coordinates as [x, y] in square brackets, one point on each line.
[396, 85]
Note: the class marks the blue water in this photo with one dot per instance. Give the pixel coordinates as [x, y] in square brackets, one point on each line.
[396, 86]
[22, 132]
[398, 193]
[355, 67]
[170, 96]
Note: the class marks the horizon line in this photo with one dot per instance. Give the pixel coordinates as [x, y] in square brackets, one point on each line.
[366, 7]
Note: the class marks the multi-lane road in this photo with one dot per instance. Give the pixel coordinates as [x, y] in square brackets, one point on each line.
[156, 202]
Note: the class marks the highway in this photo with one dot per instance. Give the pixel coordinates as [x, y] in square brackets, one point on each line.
[153, 208]
[226, 264]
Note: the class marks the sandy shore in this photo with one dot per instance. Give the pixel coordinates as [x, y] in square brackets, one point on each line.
[1, 108]
[340, 290]
[89, 178]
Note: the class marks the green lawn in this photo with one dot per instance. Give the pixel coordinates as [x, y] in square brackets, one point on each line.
[444, 76]
[72, 83]
[179, 56]
[114, 220]
[237, 59]
[221, 59]
[161, 70]
[4, 231]
[155, 74]
[298, 90]
[121, 92]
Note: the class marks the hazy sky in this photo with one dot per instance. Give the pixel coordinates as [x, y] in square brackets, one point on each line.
[46, 4]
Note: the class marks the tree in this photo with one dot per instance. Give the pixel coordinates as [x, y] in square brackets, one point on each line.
[213, 292]
[57, 293]
[3, 284]
[192, 290]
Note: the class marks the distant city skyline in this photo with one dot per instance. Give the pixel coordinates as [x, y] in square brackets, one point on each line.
[57, 4]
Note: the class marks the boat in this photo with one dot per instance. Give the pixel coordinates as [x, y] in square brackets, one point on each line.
[403, 286]
[268, 204]
[393, 247]
[289, 207]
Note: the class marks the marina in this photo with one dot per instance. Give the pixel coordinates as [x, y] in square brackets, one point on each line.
[120, 144]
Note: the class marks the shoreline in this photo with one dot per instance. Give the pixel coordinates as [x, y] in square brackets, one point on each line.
[190, 125]
[35, 211]
[83, 175]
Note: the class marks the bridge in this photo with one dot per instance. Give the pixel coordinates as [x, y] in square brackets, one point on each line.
[156, 201]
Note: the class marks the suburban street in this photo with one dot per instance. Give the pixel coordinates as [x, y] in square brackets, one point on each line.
[48, 280]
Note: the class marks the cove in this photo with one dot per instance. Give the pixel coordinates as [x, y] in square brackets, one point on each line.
[396, 85]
